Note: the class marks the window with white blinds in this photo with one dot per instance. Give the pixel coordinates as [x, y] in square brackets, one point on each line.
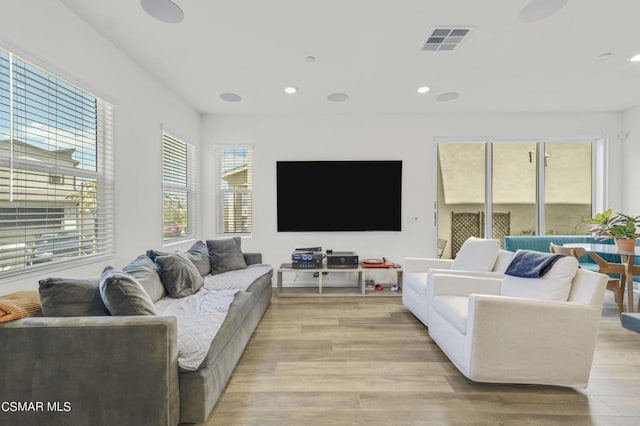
[56, 170]
[234, 175]
[179, 211]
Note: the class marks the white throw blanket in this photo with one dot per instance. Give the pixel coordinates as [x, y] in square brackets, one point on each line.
[200, 316]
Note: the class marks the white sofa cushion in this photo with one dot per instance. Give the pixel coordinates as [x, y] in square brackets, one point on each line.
[503, 261]
[455, 309]
[416, 281]
[477, 254]
[554, 285]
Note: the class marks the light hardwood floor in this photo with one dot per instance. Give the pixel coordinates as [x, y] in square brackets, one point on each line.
[368, 361]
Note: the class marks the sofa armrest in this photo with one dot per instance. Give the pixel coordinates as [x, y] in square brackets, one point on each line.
[552, 337]
[464, 285]
[101, 370]
[418, 264]
[544, 315]
[252, 258]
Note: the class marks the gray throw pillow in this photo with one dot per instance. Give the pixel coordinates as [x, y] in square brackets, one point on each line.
[152, 254]
[226, 255]
[144, 271]
[199, 255]
[71, 297]
[123, 295]
[178, 274]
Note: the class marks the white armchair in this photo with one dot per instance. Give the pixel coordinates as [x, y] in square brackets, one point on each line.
[500, 339]
[478, 257]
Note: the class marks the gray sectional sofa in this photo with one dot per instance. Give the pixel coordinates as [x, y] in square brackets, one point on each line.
[127, 370]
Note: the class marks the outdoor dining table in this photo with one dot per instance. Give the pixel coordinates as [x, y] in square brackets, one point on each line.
[627, 262]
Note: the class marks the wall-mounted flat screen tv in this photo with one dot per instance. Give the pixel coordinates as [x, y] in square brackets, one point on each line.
[318, 196]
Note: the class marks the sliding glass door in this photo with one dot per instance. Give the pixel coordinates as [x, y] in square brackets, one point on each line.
[498, 188]
[513, 182]
[461, 193]
[567, 187]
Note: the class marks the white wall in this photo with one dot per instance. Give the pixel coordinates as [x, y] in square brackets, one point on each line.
[385, 137]
[630, 168]
[53, 37]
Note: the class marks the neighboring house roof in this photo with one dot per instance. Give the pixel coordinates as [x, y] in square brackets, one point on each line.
[23, 150]
[235, 171]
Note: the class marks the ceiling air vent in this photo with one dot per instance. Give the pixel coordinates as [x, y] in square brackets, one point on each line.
[445, 38]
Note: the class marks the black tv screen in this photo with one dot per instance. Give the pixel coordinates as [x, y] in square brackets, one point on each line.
[339, 196]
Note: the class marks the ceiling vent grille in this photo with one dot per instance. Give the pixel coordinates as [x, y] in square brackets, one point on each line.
[445, 38]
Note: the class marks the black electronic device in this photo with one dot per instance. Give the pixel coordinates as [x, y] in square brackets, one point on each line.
[306, 264]
[307, 258]
[342, 260]
[339, 196]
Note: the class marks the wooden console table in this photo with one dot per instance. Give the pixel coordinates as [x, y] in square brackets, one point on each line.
[357, 290]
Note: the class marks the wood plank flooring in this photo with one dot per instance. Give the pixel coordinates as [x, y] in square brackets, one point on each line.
[368, 361]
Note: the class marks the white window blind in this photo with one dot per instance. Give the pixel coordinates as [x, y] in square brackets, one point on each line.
[56, 170]
[179, 210]
[234, 175]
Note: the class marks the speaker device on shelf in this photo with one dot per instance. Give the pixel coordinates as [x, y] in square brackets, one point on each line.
[342, 260]
[307, 258]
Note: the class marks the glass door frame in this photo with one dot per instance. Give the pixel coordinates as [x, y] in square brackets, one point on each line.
[599, 175]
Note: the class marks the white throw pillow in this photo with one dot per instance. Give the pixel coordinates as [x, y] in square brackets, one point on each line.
[554, 285]
[477, 254]
[503, 261]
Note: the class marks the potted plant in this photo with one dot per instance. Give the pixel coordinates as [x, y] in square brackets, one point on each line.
[621, 227]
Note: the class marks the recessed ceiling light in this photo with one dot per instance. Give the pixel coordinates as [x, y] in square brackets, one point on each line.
[449, 96]
[163, 10]
[537, 10]
[290, 90]
[338, 97]
[423, 89]
[635, 58]
[230, 97]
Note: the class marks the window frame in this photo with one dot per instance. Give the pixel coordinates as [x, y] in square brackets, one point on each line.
[188, 188]
[102, 245]
[599, 181]
[220, 191]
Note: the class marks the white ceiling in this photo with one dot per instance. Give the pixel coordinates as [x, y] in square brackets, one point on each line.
[370, 50]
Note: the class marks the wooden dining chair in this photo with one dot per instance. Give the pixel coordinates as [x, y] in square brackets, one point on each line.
[441, 245]
[616, 285]
[569, 251]
[636, 272]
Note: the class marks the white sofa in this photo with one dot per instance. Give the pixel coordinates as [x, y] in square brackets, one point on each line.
[490, 337]
[476, 256]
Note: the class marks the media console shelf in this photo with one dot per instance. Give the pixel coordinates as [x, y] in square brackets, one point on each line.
[359, 289]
